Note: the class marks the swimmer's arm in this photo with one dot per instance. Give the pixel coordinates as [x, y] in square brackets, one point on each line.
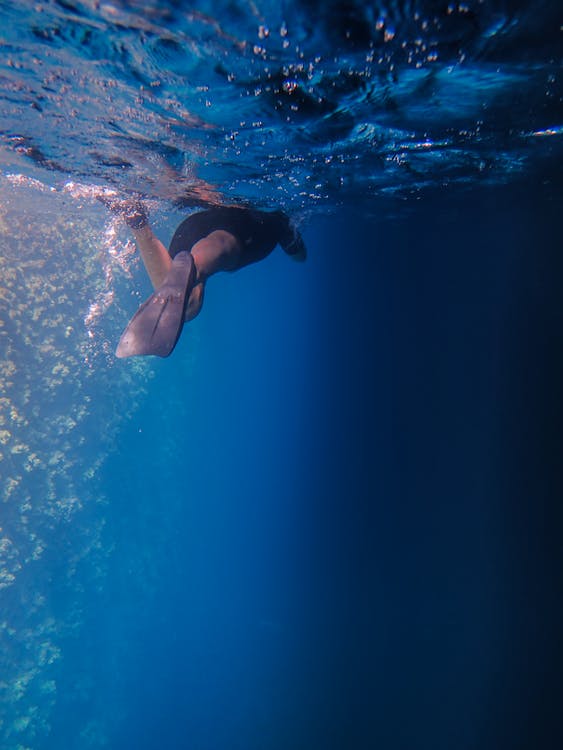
[300, 256]
[155, 256]
[291, 242]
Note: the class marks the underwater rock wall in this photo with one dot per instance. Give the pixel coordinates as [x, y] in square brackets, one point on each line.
[60, 264]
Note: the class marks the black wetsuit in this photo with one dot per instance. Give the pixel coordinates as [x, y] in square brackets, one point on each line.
[257, 231]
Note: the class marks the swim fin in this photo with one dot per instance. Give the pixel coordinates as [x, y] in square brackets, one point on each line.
[156, 326]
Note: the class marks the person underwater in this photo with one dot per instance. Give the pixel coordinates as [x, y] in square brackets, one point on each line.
[221, 238]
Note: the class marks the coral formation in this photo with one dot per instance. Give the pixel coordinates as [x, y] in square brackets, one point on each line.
[62, 400]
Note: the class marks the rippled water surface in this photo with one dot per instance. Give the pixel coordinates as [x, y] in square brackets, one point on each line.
[306, 103]
[318, 107]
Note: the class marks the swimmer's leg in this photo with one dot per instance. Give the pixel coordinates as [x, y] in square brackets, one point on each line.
[156, 326]
[195, 302]
[154, 255]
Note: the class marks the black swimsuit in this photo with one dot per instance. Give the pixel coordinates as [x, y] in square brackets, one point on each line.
[257, 231]
[157, 324]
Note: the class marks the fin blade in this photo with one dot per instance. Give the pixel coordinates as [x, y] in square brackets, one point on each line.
[156, 326]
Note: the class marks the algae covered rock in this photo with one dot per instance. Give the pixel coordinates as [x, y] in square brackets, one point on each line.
[62, 399]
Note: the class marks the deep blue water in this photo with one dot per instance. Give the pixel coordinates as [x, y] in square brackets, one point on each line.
[332, 518]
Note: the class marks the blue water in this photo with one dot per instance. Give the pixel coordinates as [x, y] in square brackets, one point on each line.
[332, 518]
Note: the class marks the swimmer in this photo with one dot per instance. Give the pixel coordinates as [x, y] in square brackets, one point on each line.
[222, 238]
